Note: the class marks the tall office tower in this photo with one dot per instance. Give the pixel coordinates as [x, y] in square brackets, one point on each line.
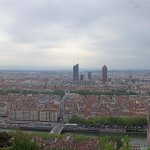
[75, 73]
[89, 75]
[104, 74]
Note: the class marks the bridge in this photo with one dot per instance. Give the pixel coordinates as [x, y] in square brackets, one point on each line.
[57, 129]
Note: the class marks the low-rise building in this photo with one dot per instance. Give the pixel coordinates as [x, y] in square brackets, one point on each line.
[3, 109]
[31, 109]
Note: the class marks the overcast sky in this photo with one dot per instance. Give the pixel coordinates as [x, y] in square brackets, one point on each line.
[59, 33]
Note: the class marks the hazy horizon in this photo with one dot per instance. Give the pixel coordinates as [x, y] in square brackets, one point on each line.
[62, 68]
[58, 33]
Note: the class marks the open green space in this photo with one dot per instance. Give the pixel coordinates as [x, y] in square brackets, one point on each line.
[111, 121]
[113, 92]
[24, 141]
[25, 92]
[109, 93]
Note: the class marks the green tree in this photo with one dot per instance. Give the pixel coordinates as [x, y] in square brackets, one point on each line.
[22, 141]
[126, 144]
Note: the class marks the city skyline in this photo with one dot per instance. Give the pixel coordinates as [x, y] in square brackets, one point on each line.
[48, 34]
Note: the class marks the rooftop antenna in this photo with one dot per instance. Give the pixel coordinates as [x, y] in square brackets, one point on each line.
[75, 61]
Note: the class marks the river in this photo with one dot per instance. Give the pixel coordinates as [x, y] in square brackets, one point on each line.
[135, 138]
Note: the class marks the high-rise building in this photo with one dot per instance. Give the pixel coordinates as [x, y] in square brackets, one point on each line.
[89, 75]
[81, 77]
[75, 73]
[104, 74]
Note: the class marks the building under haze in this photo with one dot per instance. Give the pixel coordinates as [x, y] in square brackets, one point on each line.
[81, 77]
[89, 75]
[104, 74]
[75, 73]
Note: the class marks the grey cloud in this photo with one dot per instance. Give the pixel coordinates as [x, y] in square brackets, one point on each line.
[114, 27]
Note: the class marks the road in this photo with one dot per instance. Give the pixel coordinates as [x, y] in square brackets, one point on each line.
[57, 129]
